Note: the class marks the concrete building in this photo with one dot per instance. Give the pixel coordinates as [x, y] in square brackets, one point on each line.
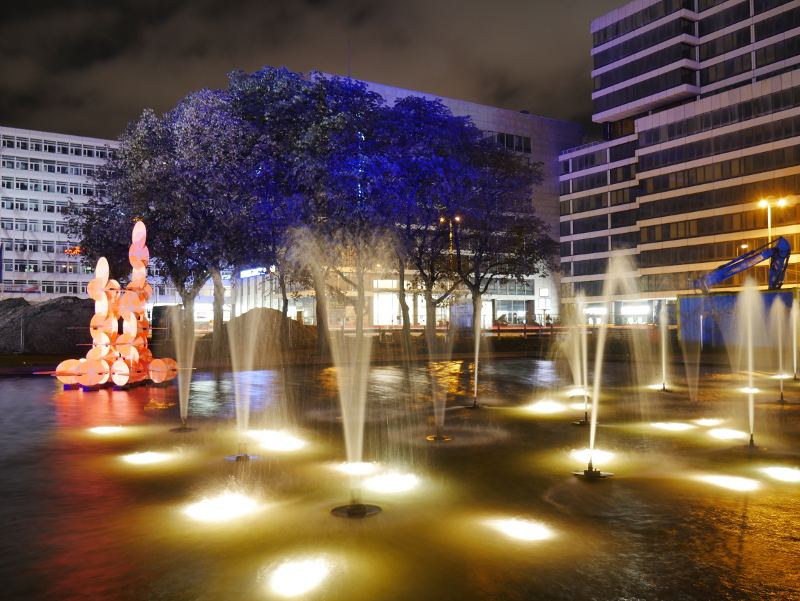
[700, 104]
[538, 138]
[41, 172]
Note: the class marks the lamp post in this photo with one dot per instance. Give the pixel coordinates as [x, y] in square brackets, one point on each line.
[765, 203]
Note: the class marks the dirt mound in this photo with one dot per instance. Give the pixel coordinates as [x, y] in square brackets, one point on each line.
[57, 326]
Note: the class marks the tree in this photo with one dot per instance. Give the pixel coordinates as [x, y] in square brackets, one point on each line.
[498, 234]
[431, 149]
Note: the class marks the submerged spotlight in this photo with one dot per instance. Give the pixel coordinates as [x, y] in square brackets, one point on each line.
[576, 392]
[220, 509]
[356, 469]
[725, 434]
[731, 482]
[786, 474]
[521, 529]
[587, 455]
[674, 426]
[149, 457]
[545, 407]
[392, 482]
[708, 422]
[750, 390]
[106, 429]
[297, 577]
[277, 441]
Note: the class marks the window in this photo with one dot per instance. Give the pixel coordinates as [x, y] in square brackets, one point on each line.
[33, 246]
[48, 187]
[48, 286]
[7, 203]
[48, 246]
[75, 189]
[6, 223]
[20, 204]
[49, 226]
[7, 243]
[20, 245]
[61, 227]
[33, 205]
[21, 225]
[48, 267]
[33, 225]
[49, 206]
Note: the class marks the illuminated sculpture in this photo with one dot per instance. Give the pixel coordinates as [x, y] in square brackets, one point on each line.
[119, 328]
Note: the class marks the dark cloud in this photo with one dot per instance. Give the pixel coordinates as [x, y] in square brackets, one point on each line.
[89, 66]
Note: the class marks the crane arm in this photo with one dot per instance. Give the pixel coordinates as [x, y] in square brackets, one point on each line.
[777, 251]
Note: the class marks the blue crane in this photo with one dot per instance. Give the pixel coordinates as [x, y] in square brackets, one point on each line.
[777, 252]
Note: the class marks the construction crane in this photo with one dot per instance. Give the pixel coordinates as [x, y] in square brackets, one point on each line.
[777, 252]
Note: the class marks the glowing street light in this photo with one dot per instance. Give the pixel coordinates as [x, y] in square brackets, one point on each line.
[766, 204]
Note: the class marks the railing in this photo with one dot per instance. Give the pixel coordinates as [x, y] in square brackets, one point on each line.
[589, 145]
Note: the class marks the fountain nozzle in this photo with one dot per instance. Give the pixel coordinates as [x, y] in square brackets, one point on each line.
[584, 421]
[590, 472]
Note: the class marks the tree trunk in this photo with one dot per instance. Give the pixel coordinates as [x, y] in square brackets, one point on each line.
[219, 300]
[401, 295]
[320, 293]
[430, 320]
[285, 329]
[477, 305]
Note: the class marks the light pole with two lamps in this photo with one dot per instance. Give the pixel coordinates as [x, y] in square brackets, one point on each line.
[767, 204]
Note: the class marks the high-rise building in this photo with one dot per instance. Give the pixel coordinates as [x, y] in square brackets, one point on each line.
[700, 106]
[40, 173]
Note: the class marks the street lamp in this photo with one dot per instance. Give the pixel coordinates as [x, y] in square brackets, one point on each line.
[781, 202]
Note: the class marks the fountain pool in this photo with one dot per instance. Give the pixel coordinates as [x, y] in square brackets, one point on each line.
[494, 514]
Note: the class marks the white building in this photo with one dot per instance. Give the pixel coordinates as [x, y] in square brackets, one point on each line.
[41, 172]
[700, 101]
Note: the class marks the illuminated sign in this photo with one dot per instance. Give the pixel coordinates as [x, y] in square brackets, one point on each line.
[595, 311]
[635, 309]
[249, 273]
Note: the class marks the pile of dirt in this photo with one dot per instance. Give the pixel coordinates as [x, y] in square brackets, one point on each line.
[58, 326]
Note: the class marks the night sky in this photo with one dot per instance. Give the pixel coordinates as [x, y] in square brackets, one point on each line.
[89, 67]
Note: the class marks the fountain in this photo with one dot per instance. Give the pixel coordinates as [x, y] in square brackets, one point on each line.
[663, 322]
[749, 311]
[244, 335]
[795, 318]
[581, 361]
[438, 392]
[777, 329]
[183, 335]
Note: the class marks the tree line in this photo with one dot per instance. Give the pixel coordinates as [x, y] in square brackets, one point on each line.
[318, 177]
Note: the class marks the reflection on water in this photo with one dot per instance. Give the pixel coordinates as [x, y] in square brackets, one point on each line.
[494, 514]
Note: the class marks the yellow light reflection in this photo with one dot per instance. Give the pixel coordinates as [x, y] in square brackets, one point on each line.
[297, 577]
[148, 457]
[782, 377]
[545, 407]
[656, 386]
[708, 422]
[676, 427]
[579, 406]
[575, 392]
[596, 455]
[731, 482]
[356, 469]
[521, 529]
[749, 390]
[277, 441]
[223, 508]
[392, 482]
[106, 429]
[725, 434]
[786, 474]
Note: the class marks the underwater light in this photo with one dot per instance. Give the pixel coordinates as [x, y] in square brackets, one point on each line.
[656, 386]
[220, 509]
[731, 482]
[148, 457]
[297, 577]
[106, 429]
[707, 422]
[578, 406]
[392, 482]
[596, 455]
[576, 392]
[672, 426]
[782, 377]
[750, 390]
[277, 441]
[356, 469]
[545, 407]
[521, 529]
[786, 474]
[727, 434]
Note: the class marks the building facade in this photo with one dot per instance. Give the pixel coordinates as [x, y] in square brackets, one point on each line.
[539, 139]
[41, 172]
[700, 106]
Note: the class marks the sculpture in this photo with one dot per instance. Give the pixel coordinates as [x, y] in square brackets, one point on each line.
[119, 328]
